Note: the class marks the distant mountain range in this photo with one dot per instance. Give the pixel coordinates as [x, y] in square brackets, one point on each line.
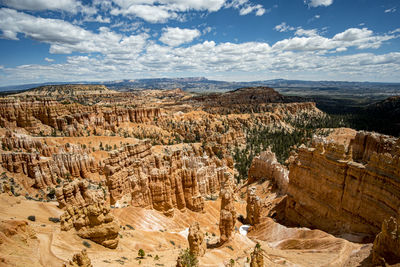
[202, 84]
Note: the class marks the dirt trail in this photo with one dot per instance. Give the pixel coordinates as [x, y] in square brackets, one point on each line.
[47, 257]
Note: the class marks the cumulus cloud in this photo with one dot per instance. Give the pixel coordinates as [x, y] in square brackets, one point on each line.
[283, 27]
[48, 59]
[65, 38]
[316, 3]
[178, 36]
[159, 11]
[72, 6]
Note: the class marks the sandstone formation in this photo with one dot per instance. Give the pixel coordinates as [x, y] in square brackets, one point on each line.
[257, 258]
[265, 166]
[77, 193]
[386, 247]
[197, 245]
[253, 207]
[180, 179]
[228, 214]
[79, 259]
[43, 171]
[93, 222]
[44, 115]
[345, 188]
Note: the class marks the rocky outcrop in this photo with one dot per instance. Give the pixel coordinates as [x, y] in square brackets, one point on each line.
[228, 214]
[77, 193]
[45, 171]
[197, 245]
[257, 258]
[265, 166]
[345, 189]
[386, 247]
[80, 259]
[253, 207]
[93, 222]
[177, 178]
[45, 115]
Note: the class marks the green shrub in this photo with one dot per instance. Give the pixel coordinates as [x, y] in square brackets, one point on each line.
[54, 219]
[32, 218]
[86, 244]
[141, 253]
[188, 259]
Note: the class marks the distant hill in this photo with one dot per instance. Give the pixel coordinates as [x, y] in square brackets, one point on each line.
[67, 90]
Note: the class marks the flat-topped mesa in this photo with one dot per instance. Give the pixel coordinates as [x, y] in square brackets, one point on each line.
[345, 189]
[94, 222]
[43, 171]
[228, 214]
[253, 207]
[197, 245]
[386, 249]
[177, 178]
[266, 166]
[77, 193]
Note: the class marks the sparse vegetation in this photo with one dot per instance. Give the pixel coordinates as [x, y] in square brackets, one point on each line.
[86, 244]
[141, 253]
[32, 218]
[187, 259]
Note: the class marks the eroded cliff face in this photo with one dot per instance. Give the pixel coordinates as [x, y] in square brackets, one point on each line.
[45, 115]
[340, 188]
[175, 178]
[77, 193]
[93, 222]
[266, 166]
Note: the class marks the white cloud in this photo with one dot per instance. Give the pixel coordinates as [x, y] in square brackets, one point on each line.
[65, 38]
[309, 33]
[178, 36]
[283, 27]
[72, 6]
[316, 3]
[49, 59]
[390, 10]
[245, 7]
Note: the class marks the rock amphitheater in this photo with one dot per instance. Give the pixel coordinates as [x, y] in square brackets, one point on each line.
[95, 177]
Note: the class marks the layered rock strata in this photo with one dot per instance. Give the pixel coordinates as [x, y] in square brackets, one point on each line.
[179, 178]
[266, 166]
[345, 189]
[93, 222]
[71, 119]
[45, 171]
[197, 245]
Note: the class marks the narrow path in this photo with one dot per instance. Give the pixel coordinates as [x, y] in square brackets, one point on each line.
[47, 257]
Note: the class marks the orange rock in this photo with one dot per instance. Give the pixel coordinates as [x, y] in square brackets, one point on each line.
[337, 188]
[196, 240]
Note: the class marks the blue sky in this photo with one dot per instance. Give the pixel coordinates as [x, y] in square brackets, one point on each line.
[234, 40]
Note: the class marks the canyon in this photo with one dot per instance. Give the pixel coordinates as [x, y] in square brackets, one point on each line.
[94, 177]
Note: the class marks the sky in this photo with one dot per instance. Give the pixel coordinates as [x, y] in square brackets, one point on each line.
[232, 40]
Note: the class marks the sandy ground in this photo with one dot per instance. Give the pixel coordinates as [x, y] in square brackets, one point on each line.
[165, 237]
